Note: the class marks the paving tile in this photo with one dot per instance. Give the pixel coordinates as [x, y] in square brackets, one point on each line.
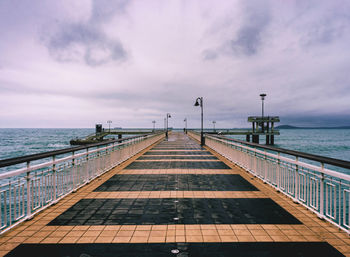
[138, 239]
[51, 240]
[156, 239]
[193, 232]
[86, 240]
[194, 238]
[228, 238]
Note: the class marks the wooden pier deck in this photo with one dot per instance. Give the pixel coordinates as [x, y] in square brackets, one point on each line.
[176, 199]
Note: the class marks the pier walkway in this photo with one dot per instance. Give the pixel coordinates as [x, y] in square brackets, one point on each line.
[176, 199]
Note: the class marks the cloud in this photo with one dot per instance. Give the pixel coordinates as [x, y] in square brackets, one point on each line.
[81, 42]
[249, 37]
[209, 54]
[85, 41]
[77, 42]
[105, 10]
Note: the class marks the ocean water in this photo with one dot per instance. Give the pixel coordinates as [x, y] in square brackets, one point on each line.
[333, 143]
[24, 141]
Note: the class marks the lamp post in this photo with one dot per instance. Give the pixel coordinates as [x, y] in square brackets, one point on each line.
[167, 125]
[185, 120]
[262, 104]
[214, 124]
[154, 125]
[199, 102]
[262, 110]
[109, 125]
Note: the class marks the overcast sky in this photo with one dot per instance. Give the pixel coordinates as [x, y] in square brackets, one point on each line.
[75, 63]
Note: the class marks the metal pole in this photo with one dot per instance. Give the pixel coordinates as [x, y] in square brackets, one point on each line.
[167, 125]
[202, 134]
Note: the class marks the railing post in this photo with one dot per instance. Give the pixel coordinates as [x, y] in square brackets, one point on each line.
[73, 169]
[322, 193]
[296, 181]
[54, 179]
[87, 165]
[265, 166]
[278, 170]
[29, 205]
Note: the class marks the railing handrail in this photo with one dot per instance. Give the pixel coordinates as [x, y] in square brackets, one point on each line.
[33, 157]
[313, 157]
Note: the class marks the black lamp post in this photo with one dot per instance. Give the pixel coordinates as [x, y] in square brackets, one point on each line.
[154, 125]
[199, 102]
[185, 120]
[167, 125]
[262, 110]
[214, 124]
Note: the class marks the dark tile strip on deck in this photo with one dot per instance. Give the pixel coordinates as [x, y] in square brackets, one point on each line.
[164, 211]
[178, 153]
[178, 165]
[181, 182]
[256, 249]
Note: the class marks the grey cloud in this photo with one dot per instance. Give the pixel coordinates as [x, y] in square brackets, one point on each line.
[103, 10]
[209, 54]
[324, 33]
[322, 24]
[249, 37]
[81, 42]
[86, 42]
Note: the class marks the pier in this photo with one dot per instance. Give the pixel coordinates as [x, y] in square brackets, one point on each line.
[147, 196]
[101, 134]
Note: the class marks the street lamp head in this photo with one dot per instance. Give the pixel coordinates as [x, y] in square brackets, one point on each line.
[262, 96]
[199, 101]
[169, 116]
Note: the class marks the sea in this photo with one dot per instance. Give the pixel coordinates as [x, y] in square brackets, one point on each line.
[16, 142]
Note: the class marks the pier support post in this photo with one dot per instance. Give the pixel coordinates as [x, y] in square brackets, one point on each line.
[120, 136]
[272, 139]
[267, 139]
[256, 139]
[247, 138]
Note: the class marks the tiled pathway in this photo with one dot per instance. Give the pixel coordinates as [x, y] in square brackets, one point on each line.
[176, 199]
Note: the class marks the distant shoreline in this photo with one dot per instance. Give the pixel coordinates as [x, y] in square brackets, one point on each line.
[295, 127]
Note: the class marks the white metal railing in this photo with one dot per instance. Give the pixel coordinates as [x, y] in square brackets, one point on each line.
[324, 191]
[41, 183]
[194, 135]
